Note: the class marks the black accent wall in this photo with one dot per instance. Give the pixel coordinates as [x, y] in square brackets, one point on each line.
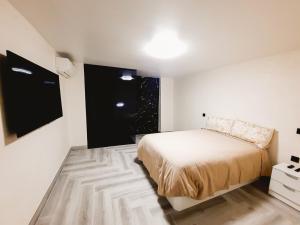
[118, 109]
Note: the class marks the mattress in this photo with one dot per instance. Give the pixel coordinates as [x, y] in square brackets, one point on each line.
[198, 163]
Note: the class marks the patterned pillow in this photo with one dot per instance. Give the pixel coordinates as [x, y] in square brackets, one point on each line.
[260, 136]
[219, 124]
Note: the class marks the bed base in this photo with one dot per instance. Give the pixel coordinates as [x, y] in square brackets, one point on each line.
[182, 203]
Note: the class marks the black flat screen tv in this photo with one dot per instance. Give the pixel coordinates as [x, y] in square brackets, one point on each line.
[31, 95]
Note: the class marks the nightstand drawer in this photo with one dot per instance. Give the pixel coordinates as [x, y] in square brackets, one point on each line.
[285, 191]
[286, 179]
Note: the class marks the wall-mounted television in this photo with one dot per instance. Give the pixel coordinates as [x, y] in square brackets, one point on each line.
[31, 95]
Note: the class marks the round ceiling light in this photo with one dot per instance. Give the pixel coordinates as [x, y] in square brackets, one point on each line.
[165, 45]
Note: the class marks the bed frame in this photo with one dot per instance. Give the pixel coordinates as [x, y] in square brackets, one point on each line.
[182, 203]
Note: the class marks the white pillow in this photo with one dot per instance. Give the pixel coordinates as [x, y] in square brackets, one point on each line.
[219, 124]
[260, 136]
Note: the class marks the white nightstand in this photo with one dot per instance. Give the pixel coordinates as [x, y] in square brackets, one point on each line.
[285, 185]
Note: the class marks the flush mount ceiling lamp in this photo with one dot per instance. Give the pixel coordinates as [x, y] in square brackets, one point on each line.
[165, 45]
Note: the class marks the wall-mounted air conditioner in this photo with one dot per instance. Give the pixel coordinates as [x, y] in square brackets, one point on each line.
[64, 67]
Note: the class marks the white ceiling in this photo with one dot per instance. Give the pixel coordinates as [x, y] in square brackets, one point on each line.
[114, 32]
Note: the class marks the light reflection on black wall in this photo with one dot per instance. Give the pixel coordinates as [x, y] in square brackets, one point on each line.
[117, 108]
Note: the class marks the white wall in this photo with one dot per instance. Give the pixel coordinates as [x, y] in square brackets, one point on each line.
[264, 91]
[28, 166]
[166, 104]
[75, 93]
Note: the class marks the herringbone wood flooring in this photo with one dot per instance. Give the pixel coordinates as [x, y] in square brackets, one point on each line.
[106, 186]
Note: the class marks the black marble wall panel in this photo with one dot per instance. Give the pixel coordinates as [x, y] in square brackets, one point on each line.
[148, 104]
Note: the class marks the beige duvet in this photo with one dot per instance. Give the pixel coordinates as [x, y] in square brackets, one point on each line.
[197, 163]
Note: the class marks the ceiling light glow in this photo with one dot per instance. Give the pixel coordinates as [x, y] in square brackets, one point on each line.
[165, 45]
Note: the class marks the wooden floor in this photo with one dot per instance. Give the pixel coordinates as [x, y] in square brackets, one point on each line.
[106, 187]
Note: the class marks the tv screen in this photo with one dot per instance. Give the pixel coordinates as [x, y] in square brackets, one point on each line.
[31, 95]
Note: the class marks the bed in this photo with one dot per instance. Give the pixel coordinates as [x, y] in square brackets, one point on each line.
[193, 166]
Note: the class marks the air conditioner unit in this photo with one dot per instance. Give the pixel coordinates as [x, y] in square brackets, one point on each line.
[64, 67]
